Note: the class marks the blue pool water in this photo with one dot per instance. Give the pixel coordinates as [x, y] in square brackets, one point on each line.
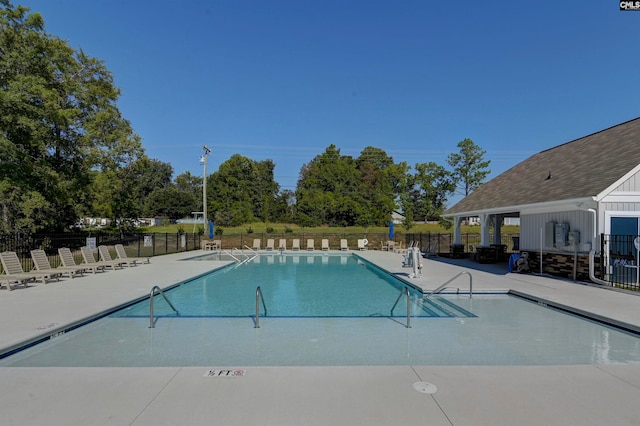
[215, 327]
[295, 286]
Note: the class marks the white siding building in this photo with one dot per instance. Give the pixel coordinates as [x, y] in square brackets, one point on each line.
[566, 198]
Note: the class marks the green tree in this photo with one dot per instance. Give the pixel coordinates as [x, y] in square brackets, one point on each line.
[284, 207]
[383, 183]
[336, 189]
[241, 190]
[170, 202]
[432, 185]
[152, 174]
[58, 122]
[116, 152]
[470, 169]
[328, 190]
[189, 183]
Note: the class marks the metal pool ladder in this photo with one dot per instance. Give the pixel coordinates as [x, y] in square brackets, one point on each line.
[443, 286]
[153, 290]
[258, 299]
[404, 291]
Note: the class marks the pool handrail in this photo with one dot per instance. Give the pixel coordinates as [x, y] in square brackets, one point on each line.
[230, 254]
[258, 298]
[151, 295]
[406, 291]
[239, 262]
[443, 286]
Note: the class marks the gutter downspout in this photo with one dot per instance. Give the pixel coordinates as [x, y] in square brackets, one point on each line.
[592, 253]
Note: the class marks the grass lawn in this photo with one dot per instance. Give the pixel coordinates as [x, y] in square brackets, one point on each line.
[279, 228]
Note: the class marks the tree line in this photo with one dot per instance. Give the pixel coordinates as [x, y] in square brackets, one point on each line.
[67, 152]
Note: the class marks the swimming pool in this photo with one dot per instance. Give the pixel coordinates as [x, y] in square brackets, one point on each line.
[502, 330]
[297, 286]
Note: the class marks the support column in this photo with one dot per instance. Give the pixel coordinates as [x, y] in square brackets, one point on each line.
[484, 230]
[497, 231]
[457, 234]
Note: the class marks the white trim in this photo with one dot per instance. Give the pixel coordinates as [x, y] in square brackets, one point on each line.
[545, 207]
[624, 193]
[617, 183]
[621, 197]
[611, 213]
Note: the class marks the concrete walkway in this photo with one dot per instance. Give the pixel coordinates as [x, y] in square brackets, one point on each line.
[502, 395]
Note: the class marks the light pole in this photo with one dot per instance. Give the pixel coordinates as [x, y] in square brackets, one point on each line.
[203, 161]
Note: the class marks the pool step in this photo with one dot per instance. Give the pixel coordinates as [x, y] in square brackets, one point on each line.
[438, 307]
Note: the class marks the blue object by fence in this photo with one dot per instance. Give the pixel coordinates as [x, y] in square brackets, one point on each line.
[512, 261]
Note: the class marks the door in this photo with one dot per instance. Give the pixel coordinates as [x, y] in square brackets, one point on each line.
[623, 254]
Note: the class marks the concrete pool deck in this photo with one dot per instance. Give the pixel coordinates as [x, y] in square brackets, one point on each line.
[466, 395]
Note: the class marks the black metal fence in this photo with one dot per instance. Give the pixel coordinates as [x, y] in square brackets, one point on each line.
[154, 244]
[619, 256]
[137, 245]
[443, 243]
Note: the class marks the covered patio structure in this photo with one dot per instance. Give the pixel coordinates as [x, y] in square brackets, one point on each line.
[567, 198]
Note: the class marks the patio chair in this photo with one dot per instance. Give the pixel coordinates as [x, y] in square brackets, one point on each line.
[41, 262]
[282, 245]
[66, 257]
[87, 256]
[362, 244]
[325, 244]
[388, 245]
[11, 265]
[432, 249]
[295, 246]
[122, 254]
[310, 244]
[256, 244]
[10, 280]
[105, 257]
[205, 244]
[343, 245]
[270, 244]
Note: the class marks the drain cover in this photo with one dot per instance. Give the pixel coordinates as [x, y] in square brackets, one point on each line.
[425, 387]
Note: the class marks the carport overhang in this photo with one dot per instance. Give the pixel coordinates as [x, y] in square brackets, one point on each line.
[494, 216]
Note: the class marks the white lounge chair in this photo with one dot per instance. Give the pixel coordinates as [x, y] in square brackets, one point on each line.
[343, 245]
[388, 246]
[270, 244]
[362, 244]
[310, 244]
[325, 244]
[10, 280]
[295, 245]
[256, 244]
[122, 254]
[14, 280]
[282, 245]
[11, 265]
[207, 244]
[66, 257]
[105, 256]
[41, 262]
[89, 259]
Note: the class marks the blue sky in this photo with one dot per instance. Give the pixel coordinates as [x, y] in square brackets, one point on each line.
[283, 80]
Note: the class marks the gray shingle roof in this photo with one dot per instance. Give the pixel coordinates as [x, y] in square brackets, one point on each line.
[581, 168]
